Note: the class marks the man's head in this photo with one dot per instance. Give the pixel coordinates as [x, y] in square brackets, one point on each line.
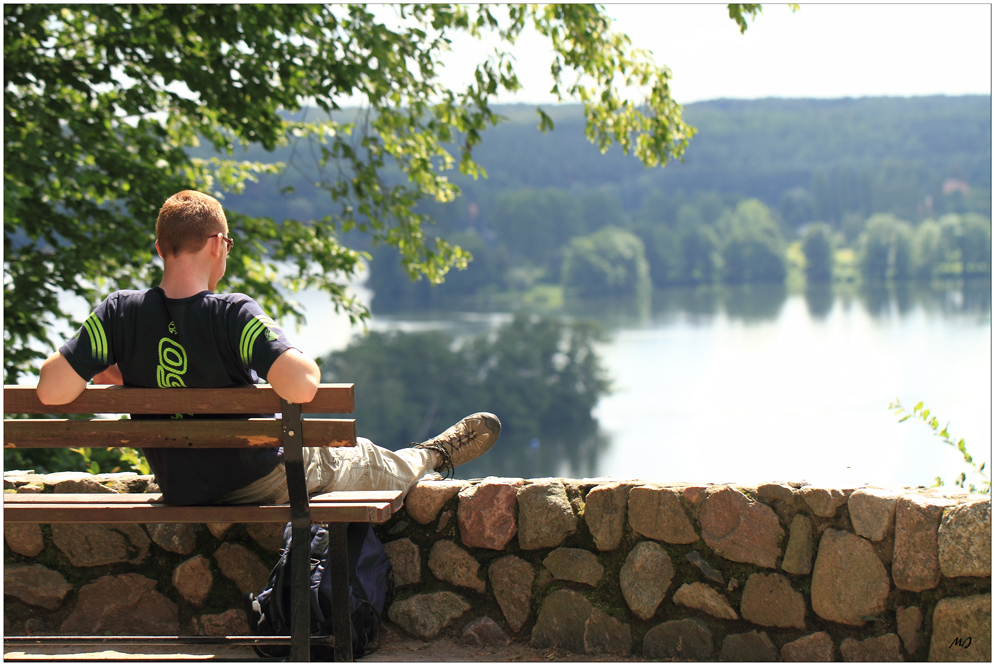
[186, 221]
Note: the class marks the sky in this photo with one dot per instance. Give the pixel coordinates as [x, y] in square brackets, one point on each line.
[824, 51]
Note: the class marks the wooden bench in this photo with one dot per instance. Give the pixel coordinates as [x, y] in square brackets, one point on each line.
[291, 431]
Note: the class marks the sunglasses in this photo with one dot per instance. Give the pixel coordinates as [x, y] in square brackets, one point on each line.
[230, 242]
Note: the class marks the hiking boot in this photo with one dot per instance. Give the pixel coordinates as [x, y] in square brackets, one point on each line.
[465, 441]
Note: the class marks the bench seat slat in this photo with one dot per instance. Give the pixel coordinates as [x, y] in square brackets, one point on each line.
[180, 433]
[111, 512]
[258, 399]
[395, 498]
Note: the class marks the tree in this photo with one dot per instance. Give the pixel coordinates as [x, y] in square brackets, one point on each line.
[818, 248]
[103, 105]
[754, 248]
[601, 209]
[976, 256]
[535, 224]
[796, 207]
[700, 254]
[609, 262]
[663, 254]
[885, 248]
[927, 250]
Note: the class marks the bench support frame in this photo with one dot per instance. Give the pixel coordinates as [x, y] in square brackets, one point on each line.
[368, 507]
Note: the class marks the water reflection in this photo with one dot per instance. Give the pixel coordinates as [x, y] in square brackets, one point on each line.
[755, 303]
[699, 304]
[819, 300]
[968, 297]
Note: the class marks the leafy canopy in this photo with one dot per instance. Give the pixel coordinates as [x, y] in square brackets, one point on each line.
[105, 104]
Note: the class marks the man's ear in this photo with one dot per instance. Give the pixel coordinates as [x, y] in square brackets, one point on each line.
[159, 250]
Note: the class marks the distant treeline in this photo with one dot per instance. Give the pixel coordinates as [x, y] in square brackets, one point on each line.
[886, 188]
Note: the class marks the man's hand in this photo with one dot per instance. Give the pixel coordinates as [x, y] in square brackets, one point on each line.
[58, 383]
[294, 377]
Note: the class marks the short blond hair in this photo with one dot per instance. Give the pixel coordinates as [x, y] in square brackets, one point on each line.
[186, 221]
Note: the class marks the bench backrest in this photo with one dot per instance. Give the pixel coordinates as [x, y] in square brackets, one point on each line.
[179, 433]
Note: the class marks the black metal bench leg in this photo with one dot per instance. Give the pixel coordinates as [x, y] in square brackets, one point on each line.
[338, 563]
[300, 545]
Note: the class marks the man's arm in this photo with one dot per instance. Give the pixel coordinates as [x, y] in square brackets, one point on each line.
[58, 383]
[294, 377]
[112, 375]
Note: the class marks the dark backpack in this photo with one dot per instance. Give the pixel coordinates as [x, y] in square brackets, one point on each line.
[370, 583]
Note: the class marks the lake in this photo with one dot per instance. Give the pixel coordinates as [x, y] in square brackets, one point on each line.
[756, 384]
[750, 384]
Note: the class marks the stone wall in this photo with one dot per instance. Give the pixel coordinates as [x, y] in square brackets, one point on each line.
[597, 566]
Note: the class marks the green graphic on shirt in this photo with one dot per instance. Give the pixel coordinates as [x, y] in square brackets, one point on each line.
[172, 327]
[172, 364]
[249, 334]
[98, 339]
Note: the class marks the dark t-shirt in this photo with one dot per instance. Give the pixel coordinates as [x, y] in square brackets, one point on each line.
[204, 341]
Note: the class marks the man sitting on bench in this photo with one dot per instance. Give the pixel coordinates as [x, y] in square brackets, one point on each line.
[181, 334]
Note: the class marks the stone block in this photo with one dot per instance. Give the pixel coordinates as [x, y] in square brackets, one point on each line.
[770, 601]
[679, 640]
[545, 515]
[964, 540]
[909, 621]
[232, 622]
[814, 647]
[707, 570]
[878, 648]
[426, 499]
[486, 515]
[823, 501]
[751, 646]
[82, 485]
[657, 513]
[872, 512]
[405, 558]
[193, 579]
[567, 620]
[645, 577]
[605, 512]
[915, 565]
[706, 599]
[35, 584]
[126, 605]
[576, 564]
[962, 629]
[267, 535]
[178, 538]
[24, 538]
[93, 545]
[511, 579]
[798, 554]
[243, 567]
[484, 632]
[426, 615]
[849, 582]
[776, 491]
[738, 528]
[694, 494]
[450, 563]
[218, 530]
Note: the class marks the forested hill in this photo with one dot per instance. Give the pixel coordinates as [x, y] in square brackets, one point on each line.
[817, 159]
[898, 150]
